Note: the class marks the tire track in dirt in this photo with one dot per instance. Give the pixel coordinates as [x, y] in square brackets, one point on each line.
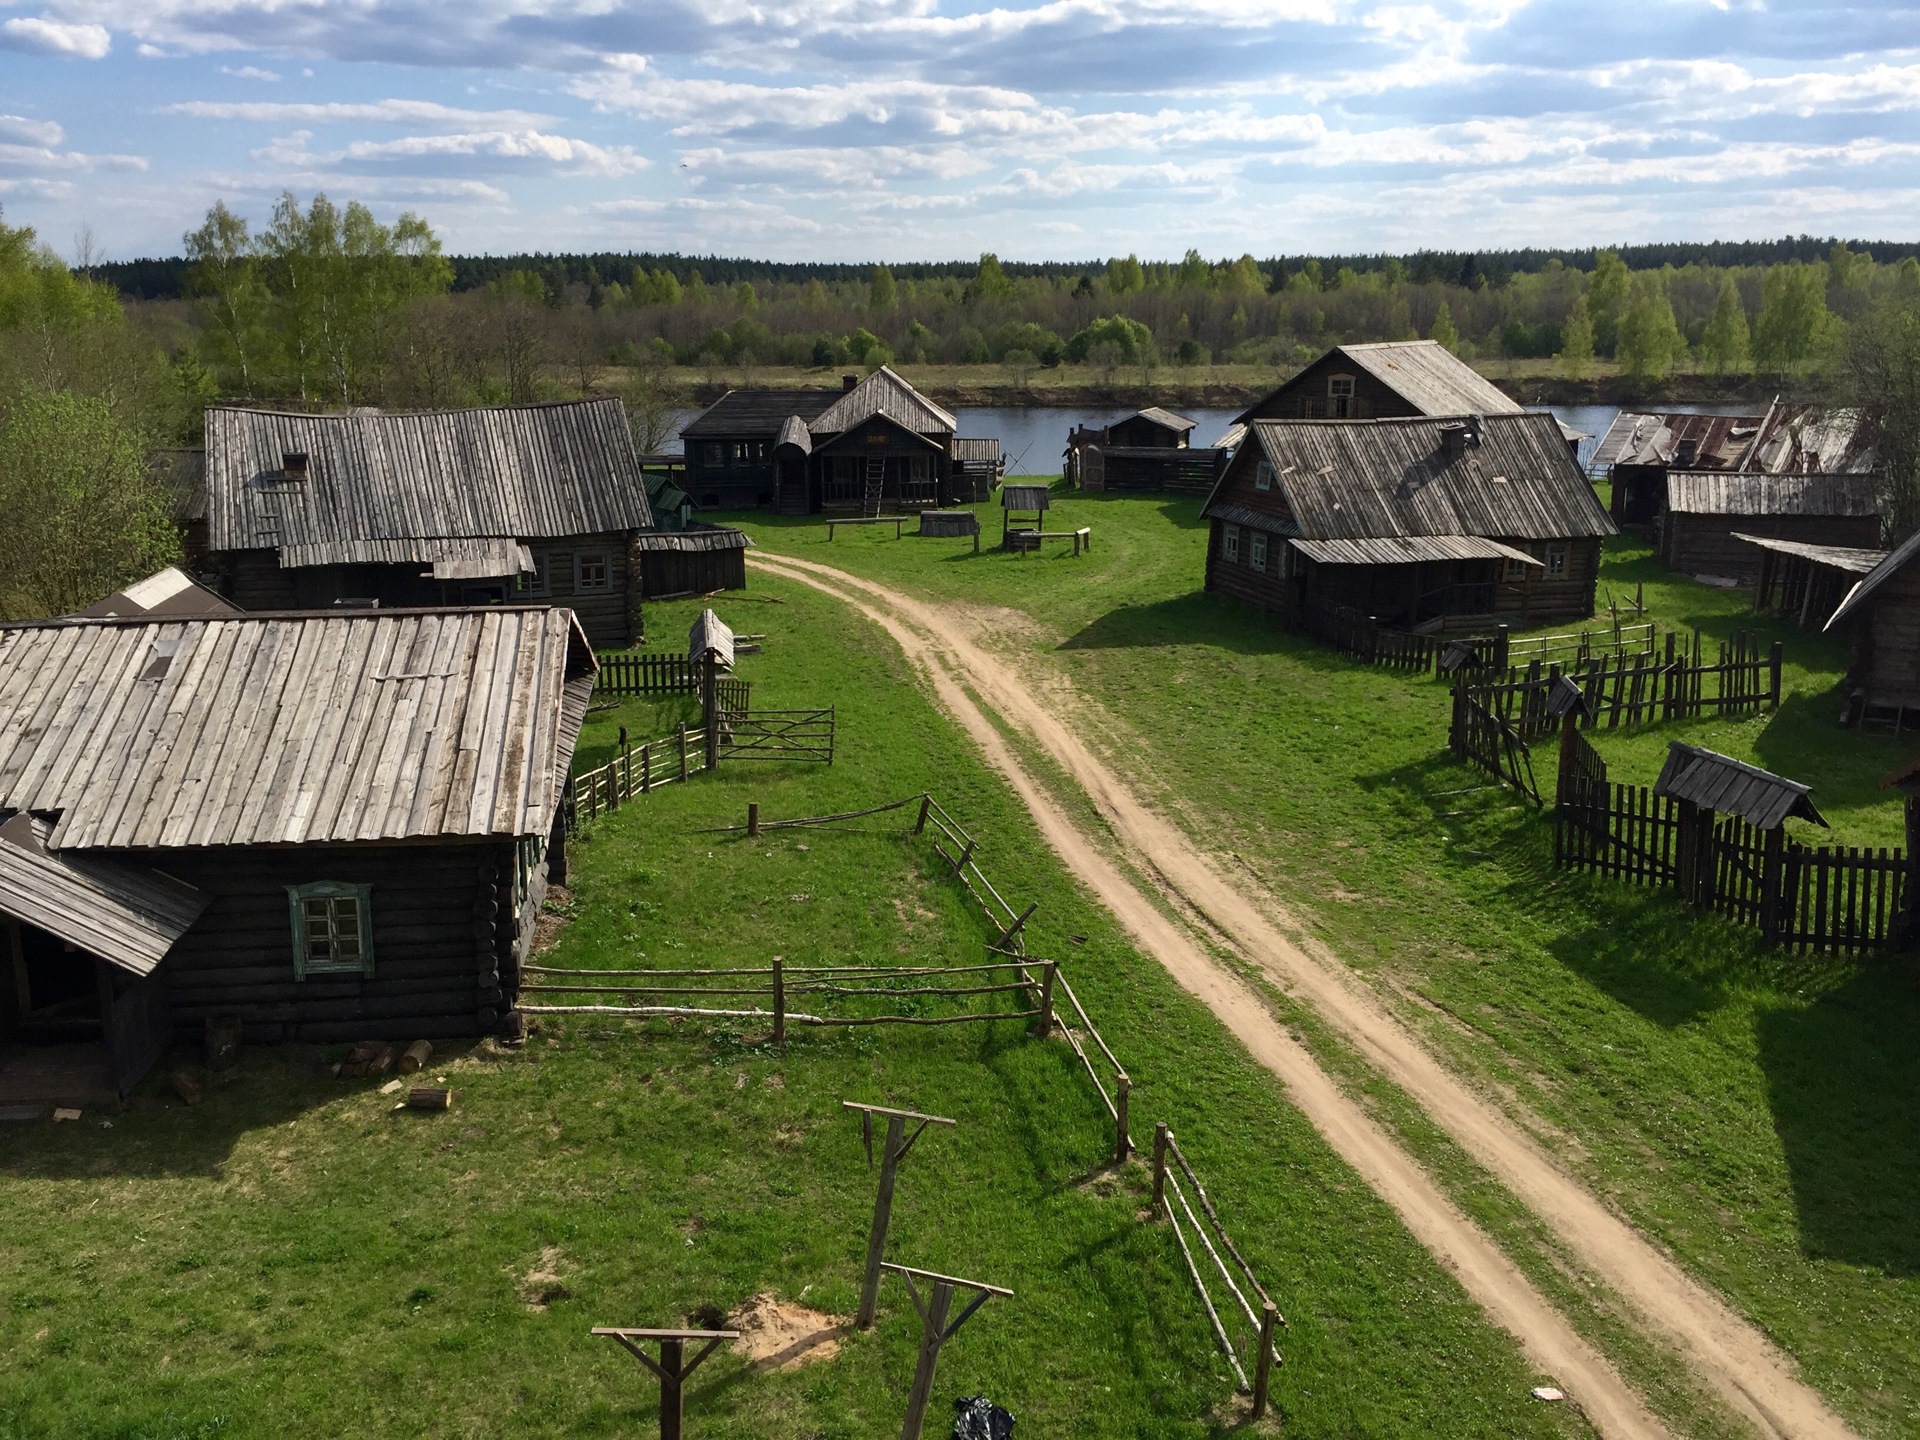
[1726, 1352]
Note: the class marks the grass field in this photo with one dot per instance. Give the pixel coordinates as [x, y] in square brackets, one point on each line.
[291, 1256]
[1755, 1113]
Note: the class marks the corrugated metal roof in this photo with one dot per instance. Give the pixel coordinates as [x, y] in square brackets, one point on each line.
[793, 431]
[1430, 377]
[755, 413]
[165, 592]
[1733, 787]
[701, 540]
[128, 914]
[509, 472]
[1839, 557]
[1715, 493]
[1721, 442]
[884, 393]
[288, 729]
[1163, 417]
[1410, 550]
[1875, 578]
[1361, 479]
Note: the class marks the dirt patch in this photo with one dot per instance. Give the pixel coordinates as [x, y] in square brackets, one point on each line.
[778, 1334]
[556, 914]
[546, 1281]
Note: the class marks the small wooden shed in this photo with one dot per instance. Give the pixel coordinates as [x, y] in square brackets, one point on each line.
[695, 561]
[1881, 616]
[1806, 581]
[1708, 512]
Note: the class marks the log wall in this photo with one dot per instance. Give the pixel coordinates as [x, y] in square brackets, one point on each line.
[1704, 544]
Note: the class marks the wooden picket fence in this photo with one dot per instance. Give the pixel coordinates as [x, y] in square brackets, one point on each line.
[1353, 632]
[631, 672]
[1481, 736]
[1814, 899]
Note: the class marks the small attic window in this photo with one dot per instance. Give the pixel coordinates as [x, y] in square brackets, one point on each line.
[293, 466]
[160, 659]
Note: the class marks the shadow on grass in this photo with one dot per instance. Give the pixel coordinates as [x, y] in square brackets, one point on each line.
[1200, 619]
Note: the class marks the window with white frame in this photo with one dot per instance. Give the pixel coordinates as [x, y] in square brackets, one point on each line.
[1230, 542]
[1340, 396]
[1263, 475]
[1556, 562]
[1257, 550]
[592, 570]
[332, 929]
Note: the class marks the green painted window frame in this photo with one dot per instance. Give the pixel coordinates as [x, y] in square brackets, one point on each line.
[328, 891]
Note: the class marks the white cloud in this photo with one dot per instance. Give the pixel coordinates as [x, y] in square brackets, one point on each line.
[371, 112]
[492, 150]
[40, 132]
[249, 72]
[54, 37]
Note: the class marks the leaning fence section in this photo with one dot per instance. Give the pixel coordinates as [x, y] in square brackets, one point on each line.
[1479, 736]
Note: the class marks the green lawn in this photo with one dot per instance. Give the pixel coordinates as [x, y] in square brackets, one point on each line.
[1752, 1111]
[291, 1257]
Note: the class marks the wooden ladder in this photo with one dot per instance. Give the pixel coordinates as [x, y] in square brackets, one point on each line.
[876, 482]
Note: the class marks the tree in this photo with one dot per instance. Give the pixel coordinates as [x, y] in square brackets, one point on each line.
[1880, 375]
[226, 277]
[1795, 325]
[1125, 336]
[1126, 277]
[989, 282]
[881, 292]
[1726, 345]
[1649, 343]
[1020, 366]
[81, 513]
[1607, 299]
[1442, 328]
[1576, 341]
[1243, 278]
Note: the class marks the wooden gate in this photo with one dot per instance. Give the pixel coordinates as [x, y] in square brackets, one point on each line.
[1480, 736]
[777, 735]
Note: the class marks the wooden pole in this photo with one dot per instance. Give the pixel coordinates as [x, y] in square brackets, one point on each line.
[1122, 1142]
[935, 1331]
[1046, 998]
[1263, 1362]
[753, 820]
[1161, 1135]
[893, 1150]
[683, 749]
[710, 707]
[1773, 680]
[646, 767]
[920, 825]
[779, 1001]
[672, 1367]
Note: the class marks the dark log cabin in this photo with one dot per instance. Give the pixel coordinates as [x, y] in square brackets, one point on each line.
[1432, 523]
[1881, 618]
[1705, 515]
[875, 444]
[1148, 450]
[511, 503]
[1384, 380]
[329, 826]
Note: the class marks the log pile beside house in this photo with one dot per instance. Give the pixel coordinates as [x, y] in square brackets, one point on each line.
[1453, 523]
[328, 826]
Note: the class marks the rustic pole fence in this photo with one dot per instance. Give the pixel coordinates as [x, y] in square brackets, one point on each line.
[935, 1331]
[893, 1150]
[673, 1367]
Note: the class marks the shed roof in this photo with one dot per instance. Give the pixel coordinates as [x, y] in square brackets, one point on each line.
[757, 413]
[1839, 557]
[448, 559]
[975, 450]
[271, 729]
[793, 431]
[1721, 442]
[884, 392]
[1410, 550]
[1863, 590]
[709, 633]
[1733, 787]
[1692, 492]
[1363, 479]
[1025, 497]
[1813, 439]
[505, 472]
[165, 592]
[125, 913]
[699, 539]
[1165, 418]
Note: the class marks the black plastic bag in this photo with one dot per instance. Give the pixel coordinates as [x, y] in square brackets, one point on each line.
[978, 1418]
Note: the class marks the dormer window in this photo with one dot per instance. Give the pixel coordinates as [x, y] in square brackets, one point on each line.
[293, 467]
[1340, 396]
[1263, 475]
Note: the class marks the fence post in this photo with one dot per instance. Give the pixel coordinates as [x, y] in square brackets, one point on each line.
[626, 766]
[779, 1001]
[753, 820]
[1046, 999]
[920, 825]
[1773, 676]
[683, 749]
[1160, 1137]
[646, 766]
[710, 707]
[1122, 1142]
[1770, 889]
[1263, 1363]
[1502, 640]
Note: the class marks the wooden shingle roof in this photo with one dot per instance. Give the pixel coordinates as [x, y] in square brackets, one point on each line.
[1719, 493]
[886, 393]
[757, 414]
[125, 913]
[1164, 418]
[1364, 479]
[1732, 787]
[290, 729]
[502, 473]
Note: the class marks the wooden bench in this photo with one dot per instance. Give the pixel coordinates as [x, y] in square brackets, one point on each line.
[1022, 541]
[897, 521]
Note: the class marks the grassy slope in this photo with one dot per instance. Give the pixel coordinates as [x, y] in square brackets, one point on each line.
[1753, 1112]
[292, 1257]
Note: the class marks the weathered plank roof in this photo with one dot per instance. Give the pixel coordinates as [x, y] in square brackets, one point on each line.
[1733, 787]
[165, 592]
[1813, 439]
[1430, 377]
[288, 729]
[503, 473]
[793, 431]
[1365, 479]
[1164, 418]
[1410, 550]
[125, 913]
[1720, 442]
[753, 414]
[449, 559]
[709, 633]
[1025, 497]
[1231, 437]
[973, 450]
[1839, 557]
[182, 473]
[884, 392]
[1691, 492]
[701, 539]
[1863, 590]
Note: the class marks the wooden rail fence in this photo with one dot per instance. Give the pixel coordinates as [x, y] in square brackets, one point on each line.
[635, 770]
[1353, 632]
[777, 734]
[1834, 899]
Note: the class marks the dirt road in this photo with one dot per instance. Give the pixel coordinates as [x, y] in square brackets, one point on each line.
[1727, 1353]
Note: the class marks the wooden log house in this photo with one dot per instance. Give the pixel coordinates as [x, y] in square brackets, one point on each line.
[1806, 581]
[1148, 450]
[876, 444]
[463, 507]
[1881, 617]
[328, 826]
[1383, 380]
[1706, 516]
[1439, 524]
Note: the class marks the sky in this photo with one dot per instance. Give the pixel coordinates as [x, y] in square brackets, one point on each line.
[862, 130]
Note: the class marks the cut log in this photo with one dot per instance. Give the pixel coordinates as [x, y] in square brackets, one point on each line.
[415, 1055]
[382, 1062]
[430, 1097]
[186, 1087]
